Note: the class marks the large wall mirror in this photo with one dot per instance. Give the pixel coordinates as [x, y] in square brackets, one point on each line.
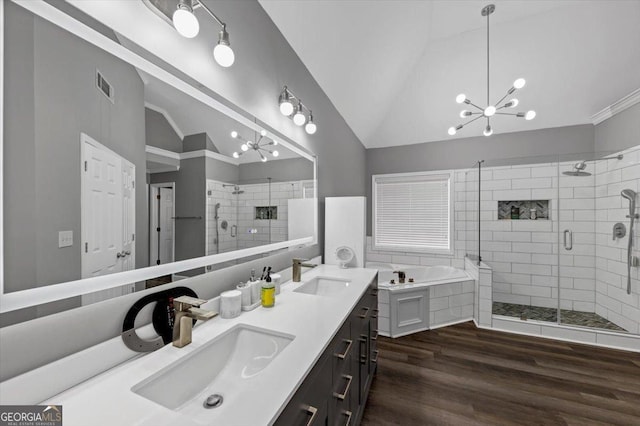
[112, 166]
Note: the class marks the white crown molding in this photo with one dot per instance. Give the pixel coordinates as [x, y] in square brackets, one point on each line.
[161, 152]
[617, 107]
[167, 116]
[209, 154]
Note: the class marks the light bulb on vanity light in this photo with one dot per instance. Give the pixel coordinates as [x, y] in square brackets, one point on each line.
[299, 117]
[222, 53]
[311, 127]
[184, 21]
[286, 106]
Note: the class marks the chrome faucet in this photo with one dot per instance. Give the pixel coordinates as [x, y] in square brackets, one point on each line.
[297, 268]
[401, 276]
[187, 309]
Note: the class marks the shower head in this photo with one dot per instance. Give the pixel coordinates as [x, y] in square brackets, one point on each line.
[630, 195]
[578, 170]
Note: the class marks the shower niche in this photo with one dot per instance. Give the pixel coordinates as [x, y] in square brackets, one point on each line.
[523, 210]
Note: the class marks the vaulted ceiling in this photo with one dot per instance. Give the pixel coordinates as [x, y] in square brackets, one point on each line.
[394, 68]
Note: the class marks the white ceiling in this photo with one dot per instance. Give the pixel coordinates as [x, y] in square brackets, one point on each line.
[394, 68]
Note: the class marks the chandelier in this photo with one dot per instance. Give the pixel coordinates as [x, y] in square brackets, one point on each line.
[491, 109]
[260, 146]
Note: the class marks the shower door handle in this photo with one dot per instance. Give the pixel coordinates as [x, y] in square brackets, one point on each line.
[234, 230]
[568, 242]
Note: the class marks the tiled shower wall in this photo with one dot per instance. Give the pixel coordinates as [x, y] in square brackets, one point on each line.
[612, 300]
[239, 210]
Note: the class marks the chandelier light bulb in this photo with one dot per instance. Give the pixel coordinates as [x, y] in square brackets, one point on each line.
[244, 147]
[275, 143]
[236, 155]
[514, 103]
[234, 134]
[184, 21]
[464, 113]
[530, 115]
[489, 111]
[263, 132]
[263, 159]
[519, 83]
[488, 131]
[461, 98]
[452, 131]
[275, 153]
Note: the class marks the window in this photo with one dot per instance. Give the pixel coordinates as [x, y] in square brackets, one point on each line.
[413, 212]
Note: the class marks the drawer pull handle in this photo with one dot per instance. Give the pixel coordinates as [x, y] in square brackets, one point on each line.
[374, 337]
[348, 414]
[313, 411]
[343, 395]
[376, 358]
[346, 351]
[364, 313]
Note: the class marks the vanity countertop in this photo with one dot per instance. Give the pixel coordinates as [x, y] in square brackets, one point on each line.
[107, 399]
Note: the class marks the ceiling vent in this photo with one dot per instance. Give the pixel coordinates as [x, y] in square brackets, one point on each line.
[104, 86]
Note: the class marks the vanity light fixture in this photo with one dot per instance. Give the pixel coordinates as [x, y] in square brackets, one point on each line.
[259, 146]
[494, 109]
[290, 104]
[186, 23]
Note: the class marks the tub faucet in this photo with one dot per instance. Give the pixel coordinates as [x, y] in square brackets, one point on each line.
[297, 268]
[187, 309]
[401, 276]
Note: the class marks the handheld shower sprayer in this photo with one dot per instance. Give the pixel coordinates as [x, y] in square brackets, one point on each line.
[631, 196]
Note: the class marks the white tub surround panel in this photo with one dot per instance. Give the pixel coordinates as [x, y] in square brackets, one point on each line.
[313, 320]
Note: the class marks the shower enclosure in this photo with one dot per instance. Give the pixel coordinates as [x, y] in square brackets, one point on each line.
[559, 236]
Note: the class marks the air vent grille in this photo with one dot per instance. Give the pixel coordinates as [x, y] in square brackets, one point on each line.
[104, 86]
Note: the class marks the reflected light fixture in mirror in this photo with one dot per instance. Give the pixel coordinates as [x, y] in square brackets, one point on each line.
[259, 146]
[187, 25]
[286, 103]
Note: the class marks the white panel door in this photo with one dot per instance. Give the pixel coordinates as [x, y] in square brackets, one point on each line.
[102, 204]
[128, 253]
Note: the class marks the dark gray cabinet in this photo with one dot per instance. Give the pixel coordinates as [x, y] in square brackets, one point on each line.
[335, 391]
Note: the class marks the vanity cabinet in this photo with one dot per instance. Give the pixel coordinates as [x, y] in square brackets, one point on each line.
[335, 391]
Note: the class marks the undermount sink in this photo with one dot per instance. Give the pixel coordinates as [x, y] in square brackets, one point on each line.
[219, 367]
[323, 286]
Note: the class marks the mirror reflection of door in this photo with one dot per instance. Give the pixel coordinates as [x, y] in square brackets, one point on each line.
[162, 224]
[108, 215]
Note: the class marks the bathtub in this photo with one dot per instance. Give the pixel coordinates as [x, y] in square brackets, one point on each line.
[422, 275]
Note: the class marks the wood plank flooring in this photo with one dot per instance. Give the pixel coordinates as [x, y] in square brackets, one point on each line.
[462, 375]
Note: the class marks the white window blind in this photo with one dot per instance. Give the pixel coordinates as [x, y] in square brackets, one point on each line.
[412, 211]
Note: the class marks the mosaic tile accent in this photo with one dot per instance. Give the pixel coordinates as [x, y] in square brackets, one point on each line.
[583, 319]
[541, 206]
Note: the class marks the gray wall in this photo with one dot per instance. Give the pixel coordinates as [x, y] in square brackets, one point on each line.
[57, 72]
[524, 147]
[278, 170]
[619, 132]
[159, 132]
[198, 141]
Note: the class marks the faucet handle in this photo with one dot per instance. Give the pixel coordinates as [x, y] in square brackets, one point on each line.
[186, 302]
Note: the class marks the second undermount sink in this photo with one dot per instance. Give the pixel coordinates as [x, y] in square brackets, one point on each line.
[220, 367]
[323, 286]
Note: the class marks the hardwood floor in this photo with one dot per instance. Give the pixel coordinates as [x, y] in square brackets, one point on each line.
[462, 375]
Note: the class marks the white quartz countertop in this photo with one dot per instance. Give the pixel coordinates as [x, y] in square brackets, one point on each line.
[108, 400]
